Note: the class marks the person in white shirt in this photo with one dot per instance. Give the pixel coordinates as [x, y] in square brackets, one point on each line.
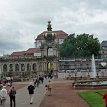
[3, 94]
[0, 95]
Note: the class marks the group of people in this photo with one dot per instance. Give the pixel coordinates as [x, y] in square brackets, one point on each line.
[40, 79]
[31, 89]
[6, 80]
[6, 90]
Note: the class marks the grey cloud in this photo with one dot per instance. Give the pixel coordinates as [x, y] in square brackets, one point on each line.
[97, 29]
[24, 19]
[9, 45]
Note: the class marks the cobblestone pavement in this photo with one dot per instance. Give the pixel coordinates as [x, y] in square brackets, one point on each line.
[63, 95]
[22, 96]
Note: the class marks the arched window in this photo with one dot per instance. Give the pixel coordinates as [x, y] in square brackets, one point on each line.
[16, 67]
[5, 68]
[34, 66]
[11, 67]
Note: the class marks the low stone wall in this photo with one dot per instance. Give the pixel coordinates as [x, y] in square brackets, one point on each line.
[89, 87]
[90, 84]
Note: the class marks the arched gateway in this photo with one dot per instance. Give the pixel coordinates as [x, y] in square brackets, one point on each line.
[43, 58]
[50, 51]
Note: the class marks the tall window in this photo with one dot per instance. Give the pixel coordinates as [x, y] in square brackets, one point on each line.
[22, 67]
[16, 67]
[11, 67]
[34, 66]
[5, 68]
[50, 51]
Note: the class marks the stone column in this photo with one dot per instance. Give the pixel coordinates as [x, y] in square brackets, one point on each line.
[19, 67]
[13, 67]
[14, 72]
[37, 67]
[25, 67]
[31, 67]
[8, 67]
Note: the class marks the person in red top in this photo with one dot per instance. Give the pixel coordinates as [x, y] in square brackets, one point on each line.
[105, 98]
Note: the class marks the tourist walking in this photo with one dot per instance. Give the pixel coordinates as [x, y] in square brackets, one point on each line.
[3, 95]
[49, 87]
[31, 92]
[37, 82]
[42, 79]
[8, 87]
[12, 96]
[45, 76]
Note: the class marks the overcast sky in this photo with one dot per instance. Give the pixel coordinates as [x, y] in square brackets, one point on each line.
[22, 20]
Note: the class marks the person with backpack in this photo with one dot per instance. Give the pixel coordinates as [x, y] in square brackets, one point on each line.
[12, 94]
[3, 95]
[31, 92]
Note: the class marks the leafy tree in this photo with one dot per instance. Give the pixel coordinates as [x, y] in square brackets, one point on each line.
[83, 45]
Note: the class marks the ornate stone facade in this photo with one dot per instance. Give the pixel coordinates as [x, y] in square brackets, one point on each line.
[45, 58]
[39, 60]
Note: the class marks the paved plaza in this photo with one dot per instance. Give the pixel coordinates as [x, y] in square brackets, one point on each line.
[63, 95]
[22, 96]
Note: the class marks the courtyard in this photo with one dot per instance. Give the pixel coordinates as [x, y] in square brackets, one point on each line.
[63, 95]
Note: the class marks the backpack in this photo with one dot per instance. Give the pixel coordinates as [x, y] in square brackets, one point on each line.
[12, 92]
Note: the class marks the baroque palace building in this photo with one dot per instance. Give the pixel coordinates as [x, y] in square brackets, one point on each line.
[45, 58]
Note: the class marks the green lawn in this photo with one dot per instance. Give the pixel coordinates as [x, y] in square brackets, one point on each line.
[93, 98]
